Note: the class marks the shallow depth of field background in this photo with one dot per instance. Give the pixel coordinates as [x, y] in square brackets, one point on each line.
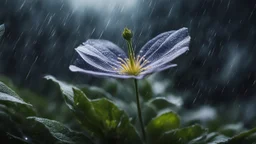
[218, 71]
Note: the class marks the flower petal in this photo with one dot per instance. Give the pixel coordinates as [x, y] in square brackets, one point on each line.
[92, 59]
[165, 44]
[74, 68]
[168, 57]
[158, 69]
[153, 43]
[153, 70]
[107, 48]
[101, 54]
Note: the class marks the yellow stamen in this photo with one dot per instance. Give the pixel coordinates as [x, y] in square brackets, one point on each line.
[132, 67]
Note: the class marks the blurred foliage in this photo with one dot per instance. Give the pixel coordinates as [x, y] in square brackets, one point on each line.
[2, 29]
[102, 116]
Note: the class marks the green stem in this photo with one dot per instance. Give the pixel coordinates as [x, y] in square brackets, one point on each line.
[130, 51]
[139, 110]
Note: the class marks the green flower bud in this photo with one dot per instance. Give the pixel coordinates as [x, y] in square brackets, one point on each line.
[127, 34]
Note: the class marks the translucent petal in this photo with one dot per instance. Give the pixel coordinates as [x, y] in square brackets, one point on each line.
[155, 42]
[107, 48]
[157, 69]
[96, 62]
[100, 73]
[81, 63]
[168, 57]
[101, 54]
[166, 43]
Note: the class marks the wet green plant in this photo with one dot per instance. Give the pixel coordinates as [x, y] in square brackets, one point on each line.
[103, 116]
[102, 120]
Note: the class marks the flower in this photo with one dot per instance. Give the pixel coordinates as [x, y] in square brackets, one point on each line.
[104, 58]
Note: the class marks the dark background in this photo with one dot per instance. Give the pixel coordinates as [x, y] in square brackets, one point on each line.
[219, 68]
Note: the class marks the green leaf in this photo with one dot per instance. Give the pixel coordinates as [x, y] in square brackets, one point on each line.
[182, 136]
[238, 139]
[5, 89]
[145, 90]
[161, 124]
[148, 112]
[2, 29]
[113, 123]
[10, 99]
[86, 114]
[95, 92]
[100, 117]
[162, 103]
[214, 138]
[242, 138]
[66, 90]
[61, 132]
[231, 129]
[82, 102]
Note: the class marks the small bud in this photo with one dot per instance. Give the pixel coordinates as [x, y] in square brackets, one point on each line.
[127, 34]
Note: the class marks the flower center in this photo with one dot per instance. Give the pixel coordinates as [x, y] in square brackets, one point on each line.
[132, 66]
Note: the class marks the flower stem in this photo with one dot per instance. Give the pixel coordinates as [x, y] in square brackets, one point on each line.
[139, 110]
[130, 52]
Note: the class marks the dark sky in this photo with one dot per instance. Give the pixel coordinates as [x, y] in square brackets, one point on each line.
[41, 36]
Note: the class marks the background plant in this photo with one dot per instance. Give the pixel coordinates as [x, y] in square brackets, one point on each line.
[98, 117]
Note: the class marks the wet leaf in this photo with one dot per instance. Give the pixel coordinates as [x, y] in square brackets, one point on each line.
[5, 89]
[214, 138]
[182, 136]
[11, 100]
[66, 90]
[61, 132]
[113, 123]
[162, 103]
[231, 129]
[95, 92]
[100, 117]
[241, 138]
[84, 104]
[86, 114]
[148, 112]
[161, 124]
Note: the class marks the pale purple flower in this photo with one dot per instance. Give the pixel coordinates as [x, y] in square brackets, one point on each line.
[104, 58]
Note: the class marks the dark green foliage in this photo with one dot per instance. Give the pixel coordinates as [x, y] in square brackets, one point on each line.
[161, 124]
[182, 136]
[61, 132]
[2, 29]
[102, 119]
